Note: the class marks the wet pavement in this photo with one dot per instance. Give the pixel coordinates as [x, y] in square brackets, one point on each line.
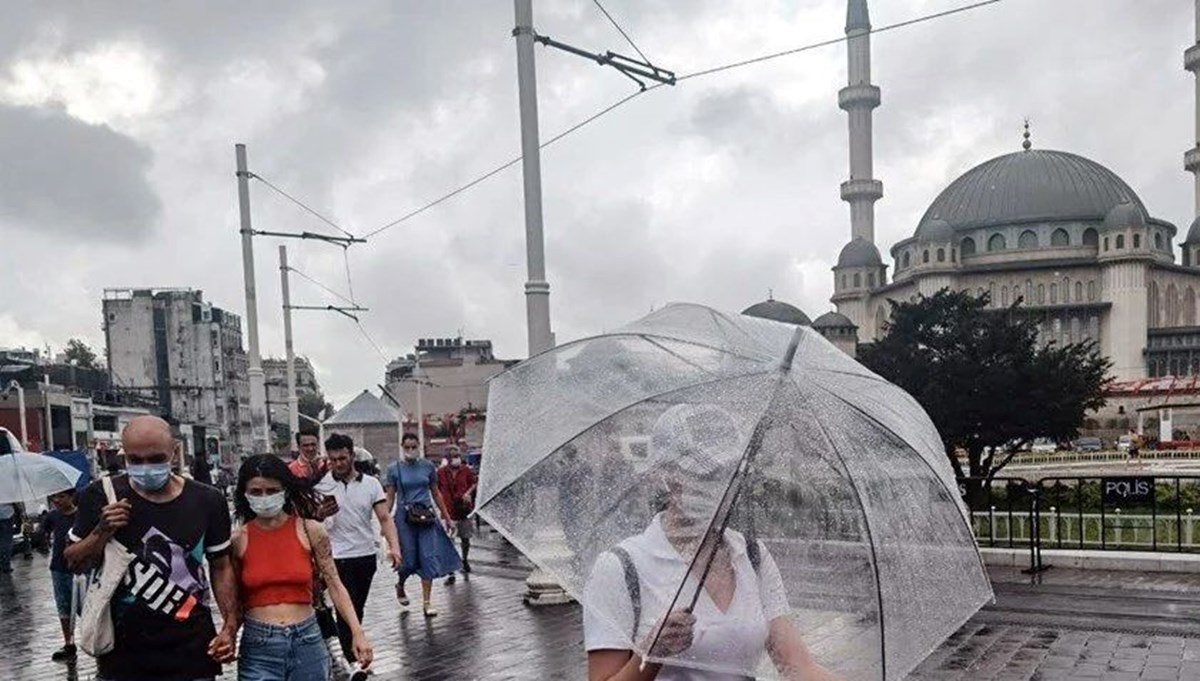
[1071, 626]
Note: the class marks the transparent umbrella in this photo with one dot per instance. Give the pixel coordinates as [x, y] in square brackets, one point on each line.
[799, 507]
[26, 477]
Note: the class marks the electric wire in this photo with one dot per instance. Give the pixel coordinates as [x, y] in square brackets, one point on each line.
[301, 204]
[349, 281]
[323, 286]
[689, 76]
[620, 30]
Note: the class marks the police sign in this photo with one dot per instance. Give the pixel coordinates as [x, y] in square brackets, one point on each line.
[1127, 490]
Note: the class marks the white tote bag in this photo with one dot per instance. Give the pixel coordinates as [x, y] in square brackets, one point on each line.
[96, 635]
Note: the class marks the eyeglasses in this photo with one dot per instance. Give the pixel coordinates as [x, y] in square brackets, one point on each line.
[142, 459]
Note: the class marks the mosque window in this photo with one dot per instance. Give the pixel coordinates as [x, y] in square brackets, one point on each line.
[1060, 238]
[925, 256]
[1137, 240]
[997, 243]
[1091, 291]
[1004, 296]
[907, 260]
[871, 279]
[953, 255]
[1120, 241]
[1079, 291]
[1028, 291]
[1028, 239]
[1158, 241]
[1053, 294]
[967, 246]
[1091, 237]
[843, 281]
[941, 255]
[1105, 243]
[857, 280]
[1041, 294]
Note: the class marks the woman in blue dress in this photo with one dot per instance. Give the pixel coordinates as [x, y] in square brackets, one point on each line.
[425, 547]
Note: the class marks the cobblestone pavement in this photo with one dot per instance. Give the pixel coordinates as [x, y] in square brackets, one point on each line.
[1071, 627]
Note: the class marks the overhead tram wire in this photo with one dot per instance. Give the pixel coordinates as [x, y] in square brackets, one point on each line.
[303, 206]
[321, 286]
[689, 76]
[620, 30]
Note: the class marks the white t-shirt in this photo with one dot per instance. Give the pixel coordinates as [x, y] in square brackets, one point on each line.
[352, 529]
[725, 645]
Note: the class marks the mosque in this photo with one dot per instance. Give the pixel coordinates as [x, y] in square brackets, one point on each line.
[1061, 236]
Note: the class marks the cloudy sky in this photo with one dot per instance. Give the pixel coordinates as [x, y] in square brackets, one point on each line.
[118, 120]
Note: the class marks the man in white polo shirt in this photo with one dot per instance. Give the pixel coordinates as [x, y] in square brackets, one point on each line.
[351, 534]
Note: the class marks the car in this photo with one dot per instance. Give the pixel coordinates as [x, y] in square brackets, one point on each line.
[1124, 443]
[1089, 444]
[1044, 445]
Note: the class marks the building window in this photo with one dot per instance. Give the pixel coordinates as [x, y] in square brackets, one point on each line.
[953, 255]
[1028, 291]
[1004, 296]
[1028, 239]
[1158, 241]
[843, 281]
[1091, 291]
[1053, 294]
[967, 246]
[871, 279]
[1120, 241]
[997, 243]
[925, 256]
[1106, 243]
[1079, 291]
[907, 260]
[857, 280]
[1091, 237]
[1041, 294]
[1137, 240]
[1060, 238]
[941, 255]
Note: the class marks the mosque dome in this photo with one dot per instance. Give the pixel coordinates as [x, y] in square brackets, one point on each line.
[833, 320]
[936, 229]
[859, 253]
[1193, 234]
[778, 311]
[1124, 215]
[1034, 185]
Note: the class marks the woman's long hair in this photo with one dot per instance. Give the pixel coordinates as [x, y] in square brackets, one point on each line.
[299, 496]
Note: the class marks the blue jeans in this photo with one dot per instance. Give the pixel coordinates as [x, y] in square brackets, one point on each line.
[7, 528]
[270, 652]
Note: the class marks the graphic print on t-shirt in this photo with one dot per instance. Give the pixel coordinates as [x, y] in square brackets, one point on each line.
[165, 578]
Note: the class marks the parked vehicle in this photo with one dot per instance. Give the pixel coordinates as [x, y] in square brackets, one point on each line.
[1124, 443]
[1089, 444]
[1044, 445]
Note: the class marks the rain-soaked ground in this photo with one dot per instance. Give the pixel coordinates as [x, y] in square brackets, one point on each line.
[1073, 625]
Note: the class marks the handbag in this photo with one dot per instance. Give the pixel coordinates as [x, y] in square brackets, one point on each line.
[96, 633]
[419, 515]
[324, 614]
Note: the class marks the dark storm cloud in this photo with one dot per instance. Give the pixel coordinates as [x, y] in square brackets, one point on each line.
[62, 176]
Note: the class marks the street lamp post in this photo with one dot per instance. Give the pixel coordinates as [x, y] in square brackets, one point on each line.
[13, 385]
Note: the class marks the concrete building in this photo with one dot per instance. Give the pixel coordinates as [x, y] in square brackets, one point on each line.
[454, 374]
[172, 347]
[275, 376]
[1060, 236]
[372, 425]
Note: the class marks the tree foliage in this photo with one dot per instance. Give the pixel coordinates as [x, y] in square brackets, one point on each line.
[313, 405]
[80, 354]
[984, 379]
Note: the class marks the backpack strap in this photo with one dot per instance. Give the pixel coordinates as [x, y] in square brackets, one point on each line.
[631, 585]
[754, 553]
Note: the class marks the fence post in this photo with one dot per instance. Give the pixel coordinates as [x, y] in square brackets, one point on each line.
[1188, 533]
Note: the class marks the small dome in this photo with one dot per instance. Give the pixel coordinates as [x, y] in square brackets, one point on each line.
[859, 253]
[1193, 235]
[778, 311]
[833, 320]
[1124, 215]
[936, 229]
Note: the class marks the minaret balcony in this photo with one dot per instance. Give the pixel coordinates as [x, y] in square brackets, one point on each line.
[859, 97]
[1191, 159]
[1191, 58]
[853, 190]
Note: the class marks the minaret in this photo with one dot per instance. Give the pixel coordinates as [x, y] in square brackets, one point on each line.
[858, 99]
[1191, 62]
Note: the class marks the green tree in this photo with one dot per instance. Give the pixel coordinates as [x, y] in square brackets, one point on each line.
[313, 405]
[80, 354]
[984, 380]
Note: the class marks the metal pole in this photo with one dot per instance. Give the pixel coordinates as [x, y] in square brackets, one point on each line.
[537, 289]
[258, 388]
[48, 441]
[21, 409]
[420, 405]
[293, 403]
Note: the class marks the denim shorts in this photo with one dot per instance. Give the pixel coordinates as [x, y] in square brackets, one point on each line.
[271, 652]
[64, 584]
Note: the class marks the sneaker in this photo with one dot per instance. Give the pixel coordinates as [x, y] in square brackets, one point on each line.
[401, 596]
[358, 674]
[430, 611]
[450, 579]
[64, 654]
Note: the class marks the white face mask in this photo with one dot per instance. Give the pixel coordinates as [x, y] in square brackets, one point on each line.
[268, 505]
[411, 454]
[698, 506]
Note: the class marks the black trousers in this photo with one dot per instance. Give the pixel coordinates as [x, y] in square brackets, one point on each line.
[356, 575]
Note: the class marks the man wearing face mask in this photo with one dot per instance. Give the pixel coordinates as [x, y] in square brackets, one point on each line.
[456, 482]
[162, 612]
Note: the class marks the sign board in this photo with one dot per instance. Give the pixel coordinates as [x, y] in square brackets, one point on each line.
[1117, 491]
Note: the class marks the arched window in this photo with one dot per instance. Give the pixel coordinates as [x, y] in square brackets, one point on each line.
[1060, 238]
[997, 243]
[1189, 307]
[991, 289]
[1066, 289]
[871, 279]
[1028, 292]
[1158, 241]
[953, 255]
[1172, 307]
[1105, 243]
[1041, 299]
[1028, 239]
[1053, 294]
[907, 260]
[1079, 291]
[941, 255]
[1120, 241]
[1091, 292]
[1004, 296]
[925, 256]
[857, 280]
[880, 322]
[1137, 240]
[967, 246]
[1091, 237]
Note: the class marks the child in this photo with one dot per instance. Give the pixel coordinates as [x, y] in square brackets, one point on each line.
[56, 524]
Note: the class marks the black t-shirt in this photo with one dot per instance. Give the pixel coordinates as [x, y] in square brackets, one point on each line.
[162, 610]
[56, 524]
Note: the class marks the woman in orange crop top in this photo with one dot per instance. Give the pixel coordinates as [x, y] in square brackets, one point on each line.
[274, 553]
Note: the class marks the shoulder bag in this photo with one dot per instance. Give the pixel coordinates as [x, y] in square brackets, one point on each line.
[96, 632]
[325, 619]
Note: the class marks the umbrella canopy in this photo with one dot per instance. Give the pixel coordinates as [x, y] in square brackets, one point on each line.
[746, 470]
[26, 477]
